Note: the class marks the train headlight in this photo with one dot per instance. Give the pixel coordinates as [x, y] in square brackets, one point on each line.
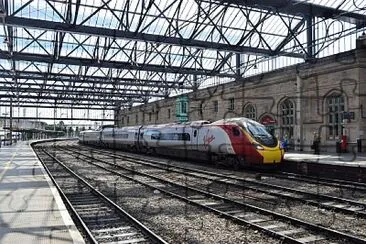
[257, 146]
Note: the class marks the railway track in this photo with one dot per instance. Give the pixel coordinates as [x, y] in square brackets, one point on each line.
[354, 186]
[102, 220]
[315, 180]
[287, 228]
[332, 203]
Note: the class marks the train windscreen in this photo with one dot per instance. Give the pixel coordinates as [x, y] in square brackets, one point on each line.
[260, 133]
[257, 130]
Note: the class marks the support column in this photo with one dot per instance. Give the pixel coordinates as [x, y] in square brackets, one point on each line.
[11, 121]
[238, 64]
[299, 134]
[310, 37]
[117, 113]
[103, 118]
[54, 118]
[195, 83]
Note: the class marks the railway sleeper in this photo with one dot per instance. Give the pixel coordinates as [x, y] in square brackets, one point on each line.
[112, 229]
[117, 235]
[274, 226]
[90, 199]
[312, 238]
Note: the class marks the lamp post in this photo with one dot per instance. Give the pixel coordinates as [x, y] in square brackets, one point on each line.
[67, 131]
[4, 127]
[38, 134]
[54, 118]
[108, 115]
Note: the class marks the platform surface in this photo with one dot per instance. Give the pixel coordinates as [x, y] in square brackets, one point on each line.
[347, 159]
[31, 210]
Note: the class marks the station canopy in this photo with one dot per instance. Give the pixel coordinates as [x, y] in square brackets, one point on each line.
[106, 54]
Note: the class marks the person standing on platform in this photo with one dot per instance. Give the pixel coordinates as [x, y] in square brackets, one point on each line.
[284, 142]
[316, 143]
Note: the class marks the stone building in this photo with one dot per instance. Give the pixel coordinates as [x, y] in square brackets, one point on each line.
[326, 96]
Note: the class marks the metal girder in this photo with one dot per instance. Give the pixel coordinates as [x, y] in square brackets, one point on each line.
[183, 53]
[60, 106]
[109, 64]
[65, 104]
[69, 103]
[290, 35]
[56, 98]
[56, 118]
[100, 91]
[103, 93]
[105, 32]
[85, 79]
[301, 8]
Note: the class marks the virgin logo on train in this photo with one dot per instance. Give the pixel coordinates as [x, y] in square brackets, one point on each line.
[208, 139]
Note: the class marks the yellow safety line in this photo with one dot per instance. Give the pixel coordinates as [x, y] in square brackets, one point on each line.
[7, 166]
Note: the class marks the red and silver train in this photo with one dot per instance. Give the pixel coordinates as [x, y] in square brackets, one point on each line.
[237, 141]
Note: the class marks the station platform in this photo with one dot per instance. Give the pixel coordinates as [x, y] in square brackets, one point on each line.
[342, 159]
[31, 210]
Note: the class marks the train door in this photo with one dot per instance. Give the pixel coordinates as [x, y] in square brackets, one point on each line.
[100, 141]
[140, 138]
[195, 134]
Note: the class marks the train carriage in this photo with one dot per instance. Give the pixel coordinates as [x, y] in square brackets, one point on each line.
[91, 137]
[237, 141]
[123, 138]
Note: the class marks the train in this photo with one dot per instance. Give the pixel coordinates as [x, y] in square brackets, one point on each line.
[235, 141]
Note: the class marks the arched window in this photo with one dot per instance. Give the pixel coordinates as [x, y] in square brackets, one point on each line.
[249, 112]
[335, 109]
[287, 118]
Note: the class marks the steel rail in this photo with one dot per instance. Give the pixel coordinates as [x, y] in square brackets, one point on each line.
[136, 223]
[74, 213]
[305, 178]
[354, 210]
[326, 181]
[305, 225]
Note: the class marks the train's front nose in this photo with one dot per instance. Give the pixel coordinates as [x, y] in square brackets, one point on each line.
[272, 154]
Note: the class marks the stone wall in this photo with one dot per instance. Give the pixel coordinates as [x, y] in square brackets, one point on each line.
[306, 85]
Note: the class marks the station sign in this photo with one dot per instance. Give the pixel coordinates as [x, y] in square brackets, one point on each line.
[268, 120]
[181, 110]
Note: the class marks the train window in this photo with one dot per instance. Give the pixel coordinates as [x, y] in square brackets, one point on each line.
[185, 137]
[171, 136]
[155, 136]
[195, 133]
[236, 131]
[124, 136]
